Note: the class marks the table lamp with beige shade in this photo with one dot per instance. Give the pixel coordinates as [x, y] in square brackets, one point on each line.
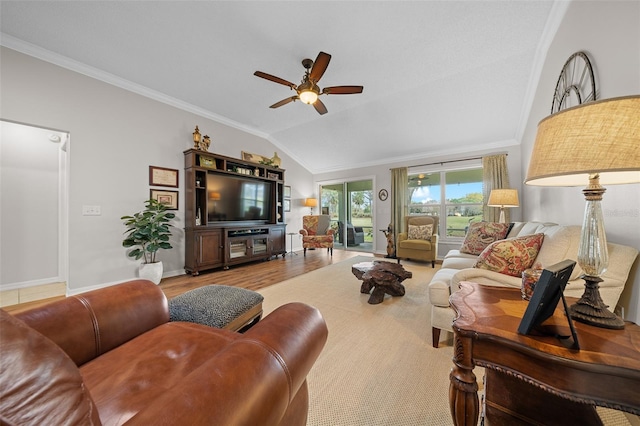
[503, 198]
[596, 143]
[310, 202]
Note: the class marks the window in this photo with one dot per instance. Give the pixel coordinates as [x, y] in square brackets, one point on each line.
[461, 190]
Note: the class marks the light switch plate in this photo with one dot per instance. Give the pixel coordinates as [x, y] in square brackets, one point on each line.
[91, 211]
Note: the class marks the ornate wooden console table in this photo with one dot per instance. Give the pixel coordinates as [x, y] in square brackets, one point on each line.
[536, 379]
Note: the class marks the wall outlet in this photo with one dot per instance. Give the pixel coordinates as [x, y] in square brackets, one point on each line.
[91, 211]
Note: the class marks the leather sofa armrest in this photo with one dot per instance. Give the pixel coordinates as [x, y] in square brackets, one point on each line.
[92, 323]
[253, 380]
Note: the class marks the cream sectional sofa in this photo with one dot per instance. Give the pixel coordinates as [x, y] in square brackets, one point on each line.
[560, 242]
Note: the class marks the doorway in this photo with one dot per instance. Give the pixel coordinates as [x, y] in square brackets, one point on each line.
[350, 208]
[33, 212]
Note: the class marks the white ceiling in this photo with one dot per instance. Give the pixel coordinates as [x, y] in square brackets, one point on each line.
[439, 77]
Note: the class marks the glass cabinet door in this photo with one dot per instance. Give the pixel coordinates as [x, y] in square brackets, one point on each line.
[260, 245]
[238, 248]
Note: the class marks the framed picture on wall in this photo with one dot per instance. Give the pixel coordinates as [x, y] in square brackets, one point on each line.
[287, 191]
[287, 205]
[169, 198]
[161, 176]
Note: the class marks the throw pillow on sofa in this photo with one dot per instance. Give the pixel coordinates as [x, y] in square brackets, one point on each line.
[481, 234]
[420, 232]
[512, 256]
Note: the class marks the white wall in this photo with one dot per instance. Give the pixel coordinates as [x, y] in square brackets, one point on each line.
[610, 34]
[115, 136]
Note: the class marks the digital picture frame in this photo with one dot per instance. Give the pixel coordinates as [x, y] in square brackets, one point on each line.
[546, 294]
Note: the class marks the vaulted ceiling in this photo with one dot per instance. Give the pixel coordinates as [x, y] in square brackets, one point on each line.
[439, 77]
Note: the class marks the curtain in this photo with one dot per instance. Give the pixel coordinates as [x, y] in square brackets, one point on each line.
[495, 176]
[399, 188]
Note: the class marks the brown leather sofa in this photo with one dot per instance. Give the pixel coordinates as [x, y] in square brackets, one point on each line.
[112, 357]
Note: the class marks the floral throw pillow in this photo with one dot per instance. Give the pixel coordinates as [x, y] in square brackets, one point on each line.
[481, 234]
[420, 232]
[512, 256]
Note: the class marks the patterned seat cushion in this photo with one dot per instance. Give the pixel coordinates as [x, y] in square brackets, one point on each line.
[318, 241]
[213, 305]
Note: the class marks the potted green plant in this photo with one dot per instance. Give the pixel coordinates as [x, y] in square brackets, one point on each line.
[147, 232]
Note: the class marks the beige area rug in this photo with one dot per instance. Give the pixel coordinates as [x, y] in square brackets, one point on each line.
[378, 366]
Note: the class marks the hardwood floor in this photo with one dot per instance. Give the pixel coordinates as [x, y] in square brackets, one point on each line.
[251, 276]
[257, 275]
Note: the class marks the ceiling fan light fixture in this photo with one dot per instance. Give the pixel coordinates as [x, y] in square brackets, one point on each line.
[308, 91]
[308, 96]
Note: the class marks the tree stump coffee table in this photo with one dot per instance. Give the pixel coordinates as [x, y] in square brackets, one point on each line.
[382, 277]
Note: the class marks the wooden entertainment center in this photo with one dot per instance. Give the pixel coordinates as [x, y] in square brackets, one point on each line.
[233, 211]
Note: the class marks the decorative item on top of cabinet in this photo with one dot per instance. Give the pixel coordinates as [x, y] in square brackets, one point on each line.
[275, 160]
[197, 137]
[206, 142]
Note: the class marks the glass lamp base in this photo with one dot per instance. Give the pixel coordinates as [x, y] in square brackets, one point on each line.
[590, 309]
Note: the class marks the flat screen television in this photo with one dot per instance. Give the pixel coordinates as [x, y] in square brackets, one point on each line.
[233, 198]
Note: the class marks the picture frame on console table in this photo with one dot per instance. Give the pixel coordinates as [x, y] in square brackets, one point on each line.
[547, 293]
[161, 176]
[168, 198]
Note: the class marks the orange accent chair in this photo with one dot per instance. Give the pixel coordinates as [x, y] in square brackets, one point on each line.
[316, 233]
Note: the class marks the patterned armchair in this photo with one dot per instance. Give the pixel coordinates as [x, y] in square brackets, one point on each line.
[420, 241]
[316, 233]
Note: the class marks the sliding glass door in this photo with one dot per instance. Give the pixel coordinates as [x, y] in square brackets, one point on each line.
[350, 208]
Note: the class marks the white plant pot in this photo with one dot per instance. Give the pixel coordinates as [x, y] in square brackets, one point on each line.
[151, 272]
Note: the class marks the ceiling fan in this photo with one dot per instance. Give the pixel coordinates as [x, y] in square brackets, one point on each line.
[418, 178]
[308, 90]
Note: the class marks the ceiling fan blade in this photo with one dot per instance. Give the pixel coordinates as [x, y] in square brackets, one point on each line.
[342, 90]
[319, 106]
[319, 66]
[274, 79]
[284, 102]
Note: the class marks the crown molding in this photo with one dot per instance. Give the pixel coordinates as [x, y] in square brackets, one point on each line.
[37, 52]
